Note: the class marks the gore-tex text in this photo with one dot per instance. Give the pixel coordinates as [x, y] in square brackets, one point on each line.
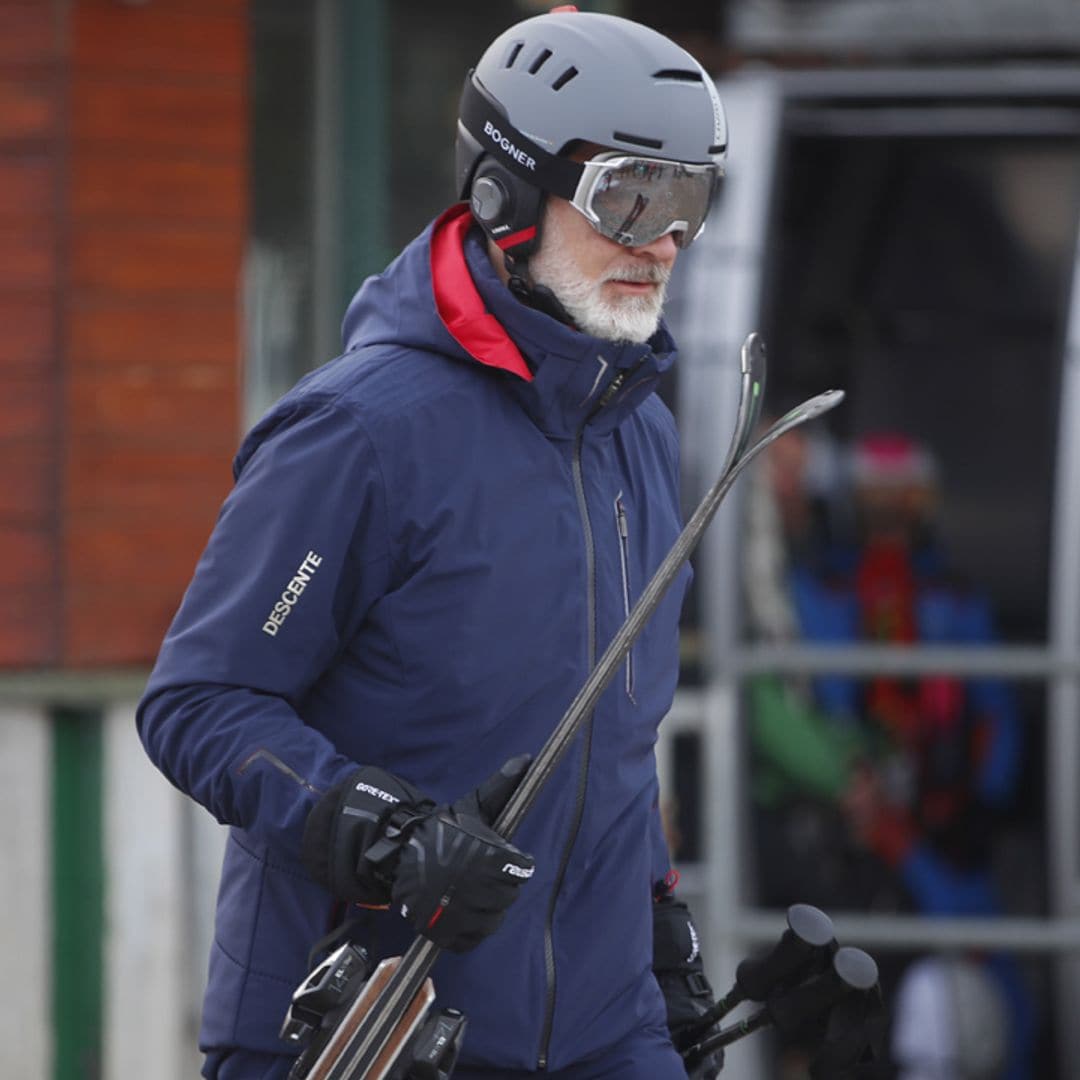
[292, 593]
[377, 792]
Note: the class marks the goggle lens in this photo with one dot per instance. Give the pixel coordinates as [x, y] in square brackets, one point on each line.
[635, 201]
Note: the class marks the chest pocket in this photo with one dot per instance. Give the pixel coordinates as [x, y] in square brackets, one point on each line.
[622, 531]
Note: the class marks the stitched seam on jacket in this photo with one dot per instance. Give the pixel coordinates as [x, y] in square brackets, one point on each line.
[246, 967]
[277, 867]
[394, 569]
[248, 970]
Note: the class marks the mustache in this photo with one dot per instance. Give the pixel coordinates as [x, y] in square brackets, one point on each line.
[653, 272]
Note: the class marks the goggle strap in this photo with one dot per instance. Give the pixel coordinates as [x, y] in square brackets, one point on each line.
[518, 153]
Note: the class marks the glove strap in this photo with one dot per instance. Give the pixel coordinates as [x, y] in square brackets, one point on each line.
[665, 887]
[383, 855]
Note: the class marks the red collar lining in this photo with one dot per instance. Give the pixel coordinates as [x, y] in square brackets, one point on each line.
[458, 303]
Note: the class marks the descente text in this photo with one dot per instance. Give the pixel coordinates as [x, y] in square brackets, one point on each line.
[292, 593]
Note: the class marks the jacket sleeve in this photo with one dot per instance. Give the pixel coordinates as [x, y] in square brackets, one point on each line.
[298, 555]
[661, 854]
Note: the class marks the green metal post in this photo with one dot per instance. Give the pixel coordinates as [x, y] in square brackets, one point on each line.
[78, 891]
[366, 141]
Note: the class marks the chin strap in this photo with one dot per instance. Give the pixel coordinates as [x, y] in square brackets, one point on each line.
[539, 297]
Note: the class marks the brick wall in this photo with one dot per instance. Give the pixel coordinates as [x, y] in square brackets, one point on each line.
[31, 191]
[124, 193]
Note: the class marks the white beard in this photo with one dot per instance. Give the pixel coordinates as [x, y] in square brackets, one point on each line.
[622, 318]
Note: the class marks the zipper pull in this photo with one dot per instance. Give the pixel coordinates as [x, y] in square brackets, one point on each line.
[612, 389]
[616, 384]
[624, 530]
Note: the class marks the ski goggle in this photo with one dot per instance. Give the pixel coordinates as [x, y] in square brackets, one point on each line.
[636, 200]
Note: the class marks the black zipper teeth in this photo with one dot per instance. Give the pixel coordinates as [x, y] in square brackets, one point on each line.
[579, 807]
[621, 524]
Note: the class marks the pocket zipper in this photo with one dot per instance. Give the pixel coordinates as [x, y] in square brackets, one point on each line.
[624, 560]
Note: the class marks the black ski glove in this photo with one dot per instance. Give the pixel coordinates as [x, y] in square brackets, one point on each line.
[457, 877]
[376, 838]
[679, 971]
[346, 824]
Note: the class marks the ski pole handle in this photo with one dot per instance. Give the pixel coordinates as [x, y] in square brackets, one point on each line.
[808, 940]
[852, 971]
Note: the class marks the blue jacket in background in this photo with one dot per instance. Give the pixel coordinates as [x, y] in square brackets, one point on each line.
[430, 541]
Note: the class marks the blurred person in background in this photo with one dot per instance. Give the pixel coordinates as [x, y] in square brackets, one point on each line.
[878, 793]
[951, 1022]
[429, 541]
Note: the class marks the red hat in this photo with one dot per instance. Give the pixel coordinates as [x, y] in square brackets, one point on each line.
[887, 459]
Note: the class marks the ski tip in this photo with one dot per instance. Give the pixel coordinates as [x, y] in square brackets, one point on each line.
[823, 402]
[752, 353]
[812, 407]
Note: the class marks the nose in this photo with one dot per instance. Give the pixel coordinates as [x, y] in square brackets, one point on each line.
[663, 249]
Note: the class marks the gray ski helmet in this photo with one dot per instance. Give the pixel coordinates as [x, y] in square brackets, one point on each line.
[567, 77]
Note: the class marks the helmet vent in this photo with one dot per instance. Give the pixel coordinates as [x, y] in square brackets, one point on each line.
[540, 61]
[514, 50]
[638, 140]
[678, 75]
[564, 78]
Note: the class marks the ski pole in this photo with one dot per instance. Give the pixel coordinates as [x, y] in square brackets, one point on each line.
[806, 946]
[852, 971]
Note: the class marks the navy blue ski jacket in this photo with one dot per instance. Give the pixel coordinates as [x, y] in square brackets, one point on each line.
[430, 540]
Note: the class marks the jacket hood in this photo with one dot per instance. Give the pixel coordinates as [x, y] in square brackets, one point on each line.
[441, 294]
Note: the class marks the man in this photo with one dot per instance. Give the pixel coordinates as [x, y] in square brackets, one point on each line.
[430, 540]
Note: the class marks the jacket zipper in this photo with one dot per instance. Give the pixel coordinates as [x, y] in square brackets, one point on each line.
[610, 391]
[583, 774]
[622, 525]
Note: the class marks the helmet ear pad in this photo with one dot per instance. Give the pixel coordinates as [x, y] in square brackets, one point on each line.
[507, 208]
